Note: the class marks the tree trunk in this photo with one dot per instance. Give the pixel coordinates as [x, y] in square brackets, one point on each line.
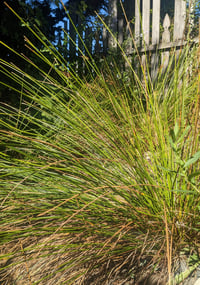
[112, 8]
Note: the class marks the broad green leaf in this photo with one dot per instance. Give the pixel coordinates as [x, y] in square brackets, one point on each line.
[193, 159]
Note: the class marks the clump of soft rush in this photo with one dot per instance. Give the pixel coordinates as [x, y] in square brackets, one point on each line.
[100, 181]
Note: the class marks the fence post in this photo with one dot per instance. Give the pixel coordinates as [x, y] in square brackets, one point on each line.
[165, 39]
[155, 37]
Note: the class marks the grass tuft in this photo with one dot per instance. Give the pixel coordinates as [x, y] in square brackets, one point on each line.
[99, 176]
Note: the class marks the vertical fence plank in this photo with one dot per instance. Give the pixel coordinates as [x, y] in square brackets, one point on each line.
[156, 22]
[155, 37]
[179, 19]
[137, 22]
[129, 8]
[137, 28]
[146, 21]
[165, 39]
[145, 31]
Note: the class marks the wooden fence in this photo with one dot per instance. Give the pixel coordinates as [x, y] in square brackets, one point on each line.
[142, 22]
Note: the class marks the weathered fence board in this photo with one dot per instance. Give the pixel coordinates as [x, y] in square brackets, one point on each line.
[165, 39]
[156, 22]
[137, 22]
[146, 21]
[155, 37]
[179, 19]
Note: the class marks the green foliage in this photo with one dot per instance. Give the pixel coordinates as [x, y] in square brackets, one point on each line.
[13, 33]
[86, 7]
